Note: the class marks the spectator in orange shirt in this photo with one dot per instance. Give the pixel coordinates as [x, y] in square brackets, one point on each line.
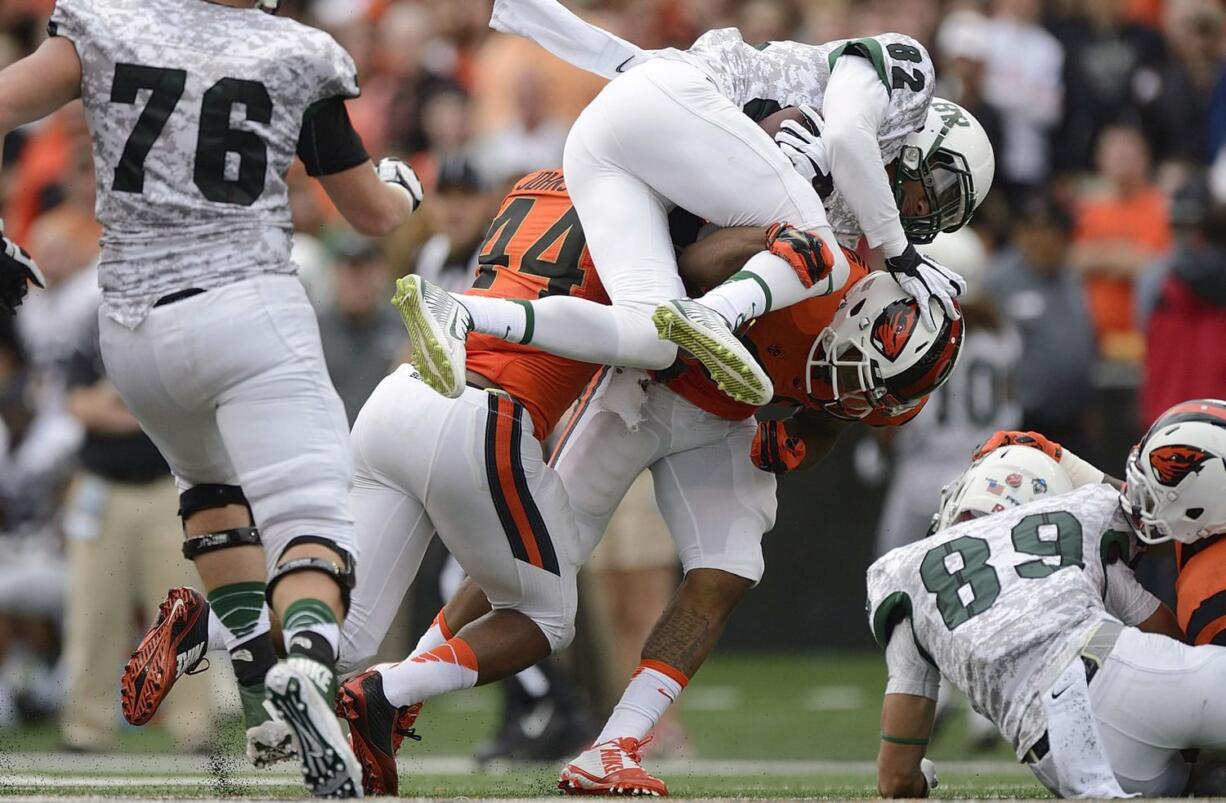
[1119, 230]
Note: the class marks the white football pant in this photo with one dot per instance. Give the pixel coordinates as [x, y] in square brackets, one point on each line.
[232, 387]
[1153, 697]
[661, 136]
[470, 470]
[716, 503]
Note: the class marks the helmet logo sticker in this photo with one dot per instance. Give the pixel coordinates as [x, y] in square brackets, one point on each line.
[995, 487]
[894, 328]
[1014, 480]
[1038, 485]
[1172, 463]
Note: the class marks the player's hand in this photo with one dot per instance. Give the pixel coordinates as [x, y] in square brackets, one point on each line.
[802, 143]
[394, 171]
[774, 451]
[805, 251]
[17, 270]
[925, 279]
[1034, 440]
[929, 768]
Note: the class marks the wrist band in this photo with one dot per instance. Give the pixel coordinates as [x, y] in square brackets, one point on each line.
[919, 742]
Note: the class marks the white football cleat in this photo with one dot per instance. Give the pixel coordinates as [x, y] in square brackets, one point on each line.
[438, 327]
[303, 692]
[704, 333]
[611, 768]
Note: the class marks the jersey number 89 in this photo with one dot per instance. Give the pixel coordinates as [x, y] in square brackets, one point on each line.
[216, 137]
[966, 585]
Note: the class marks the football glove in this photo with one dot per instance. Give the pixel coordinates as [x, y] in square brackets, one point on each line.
[802, 143]
[774, 451]
[1034, 440]
[805, 251]
[926, 279]
[17, 270]
[394, 171]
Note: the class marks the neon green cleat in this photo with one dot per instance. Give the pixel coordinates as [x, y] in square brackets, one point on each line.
[704, 333]
[438, 326]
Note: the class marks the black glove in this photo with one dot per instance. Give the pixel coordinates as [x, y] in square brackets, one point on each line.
[17, 270]
[925, 279]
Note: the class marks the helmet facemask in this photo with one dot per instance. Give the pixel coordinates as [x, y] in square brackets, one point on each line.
[948, 188]
[857, 388]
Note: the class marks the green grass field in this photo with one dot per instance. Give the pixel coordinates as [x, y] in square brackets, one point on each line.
[762, 727]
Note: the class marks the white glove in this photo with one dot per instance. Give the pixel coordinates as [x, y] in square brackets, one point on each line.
[925, 279]
[17, 269]
[394, 171]
[802, 143]
[930, 773]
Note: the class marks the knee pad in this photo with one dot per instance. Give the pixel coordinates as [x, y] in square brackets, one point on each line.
[210, 497]
[344, 575]
[211, 542]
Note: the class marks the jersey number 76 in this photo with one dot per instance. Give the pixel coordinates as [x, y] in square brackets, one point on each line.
[216, 137]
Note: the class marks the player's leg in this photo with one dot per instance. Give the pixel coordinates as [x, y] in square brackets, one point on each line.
[717, 507]
[393, 532]
[1153, 698]
[286, 434]
[167, 389]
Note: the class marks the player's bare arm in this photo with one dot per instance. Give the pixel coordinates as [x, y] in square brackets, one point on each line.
[1164, 623]
[374, 202]
[39, 84]
[720, 254]
[906, 722]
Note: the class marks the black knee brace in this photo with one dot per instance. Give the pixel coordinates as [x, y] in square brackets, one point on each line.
[208, 497]
[211, 542]
[344, 575]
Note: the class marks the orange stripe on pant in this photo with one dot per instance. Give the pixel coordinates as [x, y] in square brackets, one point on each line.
[506, 480]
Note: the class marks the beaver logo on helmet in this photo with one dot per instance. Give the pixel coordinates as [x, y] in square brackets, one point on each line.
[1172, 463]
[893, 328]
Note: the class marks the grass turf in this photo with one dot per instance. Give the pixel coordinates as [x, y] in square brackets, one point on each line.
[814, 707]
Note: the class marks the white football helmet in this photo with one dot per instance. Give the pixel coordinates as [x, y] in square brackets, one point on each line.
[1008, 477]
[952, 159]
[875, 356]
[1176, 475]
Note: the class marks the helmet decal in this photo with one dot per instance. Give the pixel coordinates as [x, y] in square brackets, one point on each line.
[1171, 464]
[893, 328]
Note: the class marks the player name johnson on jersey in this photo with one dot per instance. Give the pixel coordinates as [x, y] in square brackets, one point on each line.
[1002, 604]
[196, 111]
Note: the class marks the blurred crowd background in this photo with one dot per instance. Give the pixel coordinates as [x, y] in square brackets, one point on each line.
[1102, 250]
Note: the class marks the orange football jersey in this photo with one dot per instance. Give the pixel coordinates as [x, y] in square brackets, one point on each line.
[534, 248]
[781, 341]
[1200, 590]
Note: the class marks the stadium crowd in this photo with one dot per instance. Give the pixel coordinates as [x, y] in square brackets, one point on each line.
[1103, 246]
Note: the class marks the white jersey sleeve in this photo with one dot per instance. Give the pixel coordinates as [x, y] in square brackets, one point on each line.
[909, 671]
[1001, 604]
[1126, 599]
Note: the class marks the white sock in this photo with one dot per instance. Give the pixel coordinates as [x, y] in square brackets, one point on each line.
[766, 282]
[653, 688]
[449, 666]
[506, 319]
[218, 633]
[437, 633]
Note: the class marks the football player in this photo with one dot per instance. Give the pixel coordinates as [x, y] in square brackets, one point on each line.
[1034, 613]
[859, 354]
[671, 131]
[196, 111]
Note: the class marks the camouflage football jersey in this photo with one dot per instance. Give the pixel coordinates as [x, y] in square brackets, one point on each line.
[195, 110]
[780, 74]
[1002, 604]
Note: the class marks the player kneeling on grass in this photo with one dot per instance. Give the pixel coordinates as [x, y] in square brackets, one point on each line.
[1034, 613]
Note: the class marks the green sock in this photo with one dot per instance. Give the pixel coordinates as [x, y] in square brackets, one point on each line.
[243, 613]
[311, 629]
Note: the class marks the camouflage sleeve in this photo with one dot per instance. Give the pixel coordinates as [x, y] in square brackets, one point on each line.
[909, 672]
[68, 20]
[334, 70]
